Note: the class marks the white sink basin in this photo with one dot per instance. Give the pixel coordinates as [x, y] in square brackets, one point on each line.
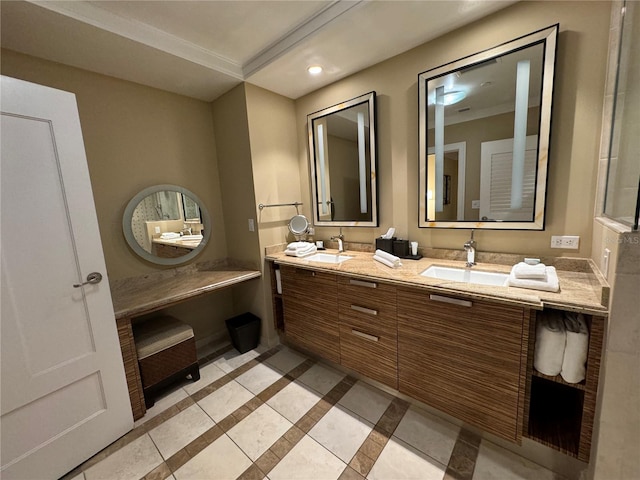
[466, 275]
[328, 258]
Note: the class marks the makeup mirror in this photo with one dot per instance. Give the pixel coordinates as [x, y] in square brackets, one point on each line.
[484, 136]
[299, 226]
[166, 224]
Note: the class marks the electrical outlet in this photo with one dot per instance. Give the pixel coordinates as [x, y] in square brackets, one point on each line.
[252, 225]
[571, 242]
[475, 204]
[156, 229]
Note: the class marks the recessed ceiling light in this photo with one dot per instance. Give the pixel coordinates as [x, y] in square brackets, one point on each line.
[314, 69]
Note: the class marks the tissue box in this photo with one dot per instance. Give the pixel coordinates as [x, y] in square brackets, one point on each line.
[401, 248]
[385, 244]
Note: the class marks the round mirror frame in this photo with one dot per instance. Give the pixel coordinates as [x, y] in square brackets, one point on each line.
[137, 248]
[299, 220]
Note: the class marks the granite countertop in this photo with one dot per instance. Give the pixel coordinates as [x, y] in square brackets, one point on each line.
[582, 288]
[144, 294]
[178, 242]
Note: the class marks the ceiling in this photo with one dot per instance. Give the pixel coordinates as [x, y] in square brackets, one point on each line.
[204, 48]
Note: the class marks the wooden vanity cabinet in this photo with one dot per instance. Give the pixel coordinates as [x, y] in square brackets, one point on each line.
[464, 358]
[310, 307]
[369, 329]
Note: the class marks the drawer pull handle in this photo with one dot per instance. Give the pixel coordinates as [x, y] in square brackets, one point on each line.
[361, 283]
[364, 310]
[455, 301]
[358, 333]
[303, 271]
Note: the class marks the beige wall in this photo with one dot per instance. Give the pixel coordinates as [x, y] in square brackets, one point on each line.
[274, 157]
[258, 163]
[581, 62]
[135, 137]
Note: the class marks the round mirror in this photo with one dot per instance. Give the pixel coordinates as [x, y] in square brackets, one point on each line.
[298, 225]
[166, 224]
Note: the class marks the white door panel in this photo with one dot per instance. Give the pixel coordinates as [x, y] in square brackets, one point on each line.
[496, 162]
[64, 394]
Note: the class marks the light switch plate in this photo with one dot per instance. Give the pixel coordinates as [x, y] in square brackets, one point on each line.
[475, 204]
[570, 242]
[252, 225]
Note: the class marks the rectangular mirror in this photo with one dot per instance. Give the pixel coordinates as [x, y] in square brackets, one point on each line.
[484, 136]
[342, 154]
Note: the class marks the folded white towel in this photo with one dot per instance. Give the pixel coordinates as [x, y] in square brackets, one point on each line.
[550, 342]
[575, 354]
[301, 252]
[169, 235]
[299, 245]
[386, 262]
[523, 270]
[389, 257]
[550, 284]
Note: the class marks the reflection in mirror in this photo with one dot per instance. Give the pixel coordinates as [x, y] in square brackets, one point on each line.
[484, 136]
[166, 224]
[342, 146]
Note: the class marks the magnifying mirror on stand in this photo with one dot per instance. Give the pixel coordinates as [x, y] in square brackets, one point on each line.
[299, 226]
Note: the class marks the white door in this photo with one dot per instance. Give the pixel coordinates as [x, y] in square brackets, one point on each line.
[64, 393]
[496, 161]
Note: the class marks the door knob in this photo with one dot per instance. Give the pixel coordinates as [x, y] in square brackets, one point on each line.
[92, 278]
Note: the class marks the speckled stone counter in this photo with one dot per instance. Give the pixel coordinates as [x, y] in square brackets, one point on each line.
[144, 294]
[582, 288]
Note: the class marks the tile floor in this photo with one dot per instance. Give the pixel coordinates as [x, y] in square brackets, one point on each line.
[279, 415]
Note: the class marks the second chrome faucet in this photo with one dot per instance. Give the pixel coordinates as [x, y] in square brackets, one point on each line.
[340, 239]
[470, 248]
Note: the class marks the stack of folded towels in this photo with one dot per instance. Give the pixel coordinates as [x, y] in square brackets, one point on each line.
[387, 259]
[300, 249]
[562, 342]
[536, 277]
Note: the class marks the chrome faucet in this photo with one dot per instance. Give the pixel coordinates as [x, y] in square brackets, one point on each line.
[340, 239]
[470, 247]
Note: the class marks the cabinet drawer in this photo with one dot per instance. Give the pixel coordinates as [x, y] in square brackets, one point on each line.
[370, 353]
[367, 302]
[307, 278]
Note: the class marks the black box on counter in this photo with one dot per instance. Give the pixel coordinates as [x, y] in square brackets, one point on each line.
[401, 248]
[385, 244]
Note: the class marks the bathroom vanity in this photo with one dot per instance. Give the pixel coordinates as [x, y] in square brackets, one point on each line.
[137, 296]
[465, 349]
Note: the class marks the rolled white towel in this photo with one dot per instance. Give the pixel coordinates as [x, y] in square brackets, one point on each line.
[524, 270]
[575, 354]
[550, 284]
[550, 342]
[386, 262]
[389, 257]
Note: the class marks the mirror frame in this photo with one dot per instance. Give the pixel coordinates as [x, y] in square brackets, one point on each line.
[137, 248]
[548, 37]
[370, 100]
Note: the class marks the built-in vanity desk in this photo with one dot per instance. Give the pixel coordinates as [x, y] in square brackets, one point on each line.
[464, 349]
[136, 296]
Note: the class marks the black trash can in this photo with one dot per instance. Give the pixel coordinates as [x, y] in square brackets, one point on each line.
[244, 331]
